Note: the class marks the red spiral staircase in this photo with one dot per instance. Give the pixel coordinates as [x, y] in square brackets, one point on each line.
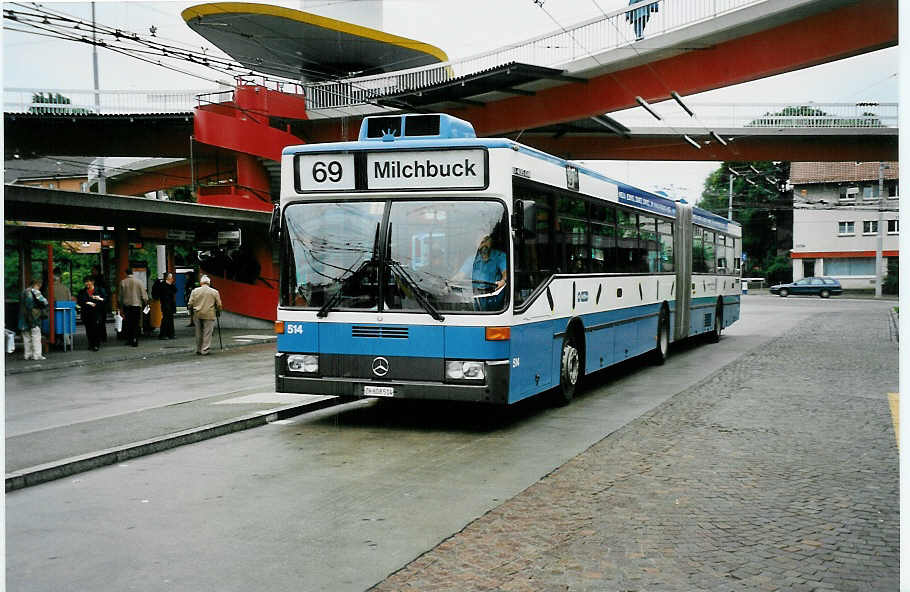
[253, 127]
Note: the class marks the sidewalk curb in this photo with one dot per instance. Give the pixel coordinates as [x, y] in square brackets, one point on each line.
[77, 464]
[127, 356]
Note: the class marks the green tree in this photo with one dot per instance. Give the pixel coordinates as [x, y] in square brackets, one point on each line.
[762, 204]
[53, 102]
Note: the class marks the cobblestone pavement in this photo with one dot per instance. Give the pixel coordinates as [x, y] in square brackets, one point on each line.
[779, 472]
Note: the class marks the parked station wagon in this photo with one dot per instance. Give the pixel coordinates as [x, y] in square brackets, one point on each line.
[816, 286]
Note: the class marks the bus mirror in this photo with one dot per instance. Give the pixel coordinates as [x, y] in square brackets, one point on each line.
[275, 224]
[525, 216]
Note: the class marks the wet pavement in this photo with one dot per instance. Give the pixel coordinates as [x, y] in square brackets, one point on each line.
[53, 431]
[777, 471]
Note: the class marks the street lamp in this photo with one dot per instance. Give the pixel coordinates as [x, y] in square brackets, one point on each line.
[878, 234]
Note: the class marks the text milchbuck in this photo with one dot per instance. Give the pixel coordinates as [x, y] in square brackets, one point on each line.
[423, 169]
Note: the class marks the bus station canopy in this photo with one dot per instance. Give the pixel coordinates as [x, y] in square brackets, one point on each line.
[299, 45]
[35, 204]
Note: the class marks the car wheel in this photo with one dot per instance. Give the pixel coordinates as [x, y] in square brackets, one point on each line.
[569, 369]
[784, 292]
[824, 293]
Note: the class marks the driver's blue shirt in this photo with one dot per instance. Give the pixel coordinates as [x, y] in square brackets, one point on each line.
[490, 270]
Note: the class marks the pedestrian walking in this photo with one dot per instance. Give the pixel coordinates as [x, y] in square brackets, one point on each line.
[639, 16]
[132, 299]
[167, 295]
[92, 307]
[32, 309]
[205, 306]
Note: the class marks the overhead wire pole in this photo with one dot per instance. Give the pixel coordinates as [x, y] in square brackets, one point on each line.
[878, 234]
[95, 63]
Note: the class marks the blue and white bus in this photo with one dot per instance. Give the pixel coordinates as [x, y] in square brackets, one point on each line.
[423, 262]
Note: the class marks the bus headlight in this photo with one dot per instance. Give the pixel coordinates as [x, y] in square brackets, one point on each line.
[308, 363]
[458, 370]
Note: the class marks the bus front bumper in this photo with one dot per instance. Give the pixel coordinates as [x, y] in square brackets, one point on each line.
[494, 390]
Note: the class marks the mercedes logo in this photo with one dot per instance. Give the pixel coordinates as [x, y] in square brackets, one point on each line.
[380, 366]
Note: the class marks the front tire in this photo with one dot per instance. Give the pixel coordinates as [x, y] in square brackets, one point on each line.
[784, 292]
[824, 293]
[570, 366]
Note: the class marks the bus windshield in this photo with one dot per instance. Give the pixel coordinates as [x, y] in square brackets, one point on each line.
[430, 256]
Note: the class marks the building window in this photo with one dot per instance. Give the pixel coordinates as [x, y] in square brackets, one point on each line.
[846, 227]
[848, 193]
[850, 266]
[51, 185]
[893, 226]
[870, 191]
[870, 226]
[891, 189]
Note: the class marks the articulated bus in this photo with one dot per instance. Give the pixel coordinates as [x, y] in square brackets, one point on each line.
[423, 262]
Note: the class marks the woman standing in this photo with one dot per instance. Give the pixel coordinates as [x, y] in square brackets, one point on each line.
[92, 305]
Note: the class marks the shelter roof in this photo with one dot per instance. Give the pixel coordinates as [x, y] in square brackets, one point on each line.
[33, 204]
[295, 44]
[48, 167]
[803, 173]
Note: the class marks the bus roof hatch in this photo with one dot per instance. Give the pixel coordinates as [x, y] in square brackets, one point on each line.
[434, 126]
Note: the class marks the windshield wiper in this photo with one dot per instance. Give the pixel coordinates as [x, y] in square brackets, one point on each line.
[419, 295]
[348, 275]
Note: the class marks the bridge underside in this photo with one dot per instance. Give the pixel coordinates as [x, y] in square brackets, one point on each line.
[847, 29]
[168, 136]
[157, 134]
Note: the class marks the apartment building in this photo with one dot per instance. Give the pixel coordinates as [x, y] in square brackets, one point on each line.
[837, 209]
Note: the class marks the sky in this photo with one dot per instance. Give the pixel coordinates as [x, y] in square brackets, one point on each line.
[454, 26]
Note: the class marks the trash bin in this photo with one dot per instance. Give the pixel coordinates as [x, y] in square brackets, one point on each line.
[745, 287]
[155, 313]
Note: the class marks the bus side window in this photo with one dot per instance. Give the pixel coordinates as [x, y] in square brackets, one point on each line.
[603, 238]
[698, 251]
[627, 242]
[649, 253]
[665, 236]
[533, 253]
[709, 251]
[572, 242]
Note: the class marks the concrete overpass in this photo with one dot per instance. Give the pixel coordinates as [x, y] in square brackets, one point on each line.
[819, 132]
[546, 89]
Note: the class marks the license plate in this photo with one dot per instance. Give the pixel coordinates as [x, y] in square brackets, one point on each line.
[378, 391]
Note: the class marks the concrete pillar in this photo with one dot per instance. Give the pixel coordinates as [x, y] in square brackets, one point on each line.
[161, 263]
[122, 248]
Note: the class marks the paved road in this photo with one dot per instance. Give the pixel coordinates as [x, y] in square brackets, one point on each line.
[339, 499]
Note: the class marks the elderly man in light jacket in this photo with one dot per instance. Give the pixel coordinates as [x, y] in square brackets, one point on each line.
[205, 305]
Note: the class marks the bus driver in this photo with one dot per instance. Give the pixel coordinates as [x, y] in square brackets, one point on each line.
[488, 267]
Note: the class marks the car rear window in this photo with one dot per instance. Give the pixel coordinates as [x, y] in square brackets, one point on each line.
[830, 282]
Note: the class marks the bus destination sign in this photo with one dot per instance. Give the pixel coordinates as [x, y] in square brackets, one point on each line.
[462, 168]
[430, 169]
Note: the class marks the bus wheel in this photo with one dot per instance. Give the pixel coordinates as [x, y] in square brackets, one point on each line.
[569, 369]
[718, 324]
[662, 345]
